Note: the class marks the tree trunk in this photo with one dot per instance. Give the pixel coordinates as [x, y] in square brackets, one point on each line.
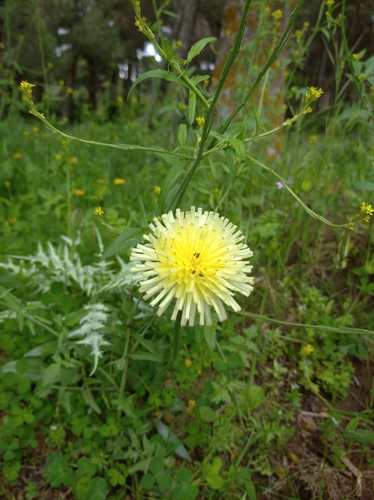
[184, 26]
[263, 29]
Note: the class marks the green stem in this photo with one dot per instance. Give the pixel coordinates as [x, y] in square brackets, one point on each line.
[273, 56]
[42, 54]
[125, 368]
[357, 331]
[249, 442]
[126, 147]
[232, 392]
[307, 209]
[176, 200]
[176, 338]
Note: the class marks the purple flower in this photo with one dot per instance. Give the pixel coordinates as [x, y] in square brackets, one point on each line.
[279, 185]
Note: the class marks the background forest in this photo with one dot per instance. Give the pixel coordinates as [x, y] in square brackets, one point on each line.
[113, 113]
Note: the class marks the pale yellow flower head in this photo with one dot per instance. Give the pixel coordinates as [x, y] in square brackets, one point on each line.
[197, 258]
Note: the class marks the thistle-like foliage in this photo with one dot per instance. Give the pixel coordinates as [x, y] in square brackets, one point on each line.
[61, 264]
[58, 265]
[92, 329]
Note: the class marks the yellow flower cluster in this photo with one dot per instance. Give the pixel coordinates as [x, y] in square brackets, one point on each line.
[366, 210]
[200, 120]
[277, 14]
[313, 94]
[118, 181]
[99, 211]
[307, 350]
[26, 89]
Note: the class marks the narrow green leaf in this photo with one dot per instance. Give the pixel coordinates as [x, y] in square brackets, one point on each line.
[230, 161]
[129, 238]
[166, 47]
[199, 78]
[210, 337]
[198, 47]
[191, 108]
[90, 401]
[170, 437]
[362, 436]
[182, 134]
[368, 186]
[239, 148]
[156, 73]
[170, 181]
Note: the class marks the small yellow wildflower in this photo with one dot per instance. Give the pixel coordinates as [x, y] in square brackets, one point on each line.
[330, 3]
[70, 91]
[187, 362]
[7, 184]
[361, 76]
[99, 211]
[191, 405]
[313, 139]
[313, 94]
[58, 157]
[366, 210]
[158, 414]
[10, 221]
[138, 25]
[157, 189]
[26, 89]
[356, 57]
[72, 160]
[100, 181]
[50, 65]
[307, 349]
[35, 129]
[79, 192]
[17, 156]
[277, 14]
[26, 133]
[118, 181]
[200, 120]
[307, 110]
[61, 83]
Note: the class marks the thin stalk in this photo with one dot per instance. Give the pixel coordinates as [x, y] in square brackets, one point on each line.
[233, 392]
[125, 369]
[42, 54]
[273, 56]
[287, 188]
[126, 147]
[175, 202]
[357, 331]
[249, 442]
[176, 339]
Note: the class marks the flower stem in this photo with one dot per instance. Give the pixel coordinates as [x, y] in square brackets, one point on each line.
[176, 338]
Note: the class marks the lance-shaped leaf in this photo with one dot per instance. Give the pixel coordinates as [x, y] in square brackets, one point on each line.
[129, 238]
